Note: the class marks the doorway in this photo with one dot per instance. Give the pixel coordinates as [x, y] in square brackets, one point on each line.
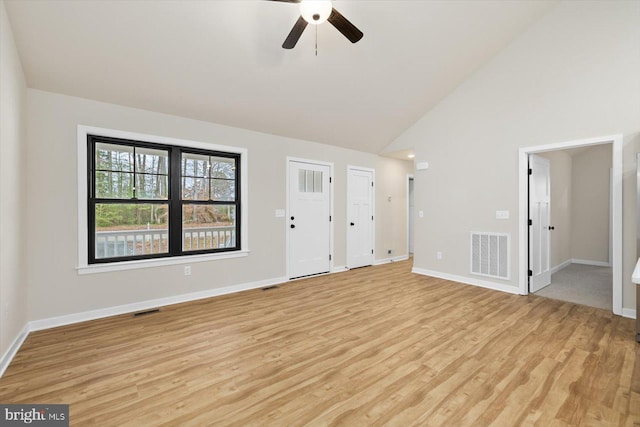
[309, 218]
[360, 217]
[576, 257]
[616, 210]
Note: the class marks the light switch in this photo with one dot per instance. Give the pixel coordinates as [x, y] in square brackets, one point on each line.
[502, 214]
[279, 213]
[421, 214]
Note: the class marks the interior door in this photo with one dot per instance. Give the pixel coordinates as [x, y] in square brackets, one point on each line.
[360, 237]
[539, 222]
[309, 219]
[411, 213]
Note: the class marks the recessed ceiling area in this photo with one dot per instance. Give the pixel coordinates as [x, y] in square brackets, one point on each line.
[222, 61]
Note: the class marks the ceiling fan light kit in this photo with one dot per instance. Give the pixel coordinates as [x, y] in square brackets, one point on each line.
[316, 12]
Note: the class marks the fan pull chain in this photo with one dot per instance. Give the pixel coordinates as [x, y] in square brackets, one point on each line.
[316, 39]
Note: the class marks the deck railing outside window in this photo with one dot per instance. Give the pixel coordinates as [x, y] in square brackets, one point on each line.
[153, 241]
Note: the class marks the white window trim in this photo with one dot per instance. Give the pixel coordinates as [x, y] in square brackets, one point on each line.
[84, 267]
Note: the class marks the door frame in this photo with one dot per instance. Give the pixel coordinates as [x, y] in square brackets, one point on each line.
[290, 159]
[373, 211]
[616, 209]
[409, 177]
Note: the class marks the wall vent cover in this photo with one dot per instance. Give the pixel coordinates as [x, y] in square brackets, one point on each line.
[490, 254]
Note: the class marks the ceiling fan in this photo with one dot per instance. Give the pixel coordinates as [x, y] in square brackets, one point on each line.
[316, 12]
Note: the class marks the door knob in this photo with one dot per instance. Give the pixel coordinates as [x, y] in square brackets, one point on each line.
[551, 228]
[293, 226]
[352, 224]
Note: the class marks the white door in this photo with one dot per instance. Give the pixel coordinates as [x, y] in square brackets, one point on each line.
[360, 235]
[309, 219]
[411, 215]
[539, 226]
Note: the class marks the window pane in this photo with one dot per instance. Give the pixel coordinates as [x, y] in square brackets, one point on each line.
[195, 188]
[152, 186]
[317, 178]
[195, 165]
[302, 180]
[223, 190]
[114, 185]
[114, 157]
[208, 227]
[124, 230]
[152, 161]
[309, 181]
[222, 167]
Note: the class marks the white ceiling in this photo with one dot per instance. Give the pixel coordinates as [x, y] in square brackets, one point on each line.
[222, 61]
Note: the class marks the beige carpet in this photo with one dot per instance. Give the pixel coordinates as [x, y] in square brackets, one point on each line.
[582, 284]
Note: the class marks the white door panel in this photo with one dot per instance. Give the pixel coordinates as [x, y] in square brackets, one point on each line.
[411, 213]
[360, 237]
[539, 214]
[309, 219]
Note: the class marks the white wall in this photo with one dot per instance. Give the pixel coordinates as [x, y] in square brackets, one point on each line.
[55, 289]
[580, 204]
[571, 75]
[590, 204]
[13, 290]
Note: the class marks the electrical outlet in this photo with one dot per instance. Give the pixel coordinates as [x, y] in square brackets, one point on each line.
[187, 270]
[438, 255]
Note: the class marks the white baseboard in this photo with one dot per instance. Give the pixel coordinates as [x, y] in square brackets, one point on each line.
[579, 261]
[339, 269]
[392, 259]
[468, 281]
[53, 322]
[629, 312]
[589, 262]
[560, 266]
[8, 355]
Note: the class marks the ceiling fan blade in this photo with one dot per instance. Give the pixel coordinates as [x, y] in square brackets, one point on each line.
[295, 33]
[343, 25]
[287, 1]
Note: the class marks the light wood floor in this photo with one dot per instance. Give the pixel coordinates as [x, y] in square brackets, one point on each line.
[374, 346]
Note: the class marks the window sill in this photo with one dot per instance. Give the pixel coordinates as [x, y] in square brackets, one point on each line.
[150, 263]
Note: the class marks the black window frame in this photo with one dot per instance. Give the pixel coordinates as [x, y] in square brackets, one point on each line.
[174, 199]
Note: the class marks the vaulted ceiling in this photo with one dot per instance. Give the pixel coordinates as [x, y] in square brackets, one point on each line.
[222, 61]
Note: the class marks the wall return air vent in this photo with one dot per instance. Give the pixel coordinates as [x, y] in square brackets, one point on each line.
[490, 254]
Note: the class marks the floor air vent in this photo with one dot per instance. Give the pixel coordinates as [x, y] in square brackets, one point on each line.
[144, 313]
[490, 254]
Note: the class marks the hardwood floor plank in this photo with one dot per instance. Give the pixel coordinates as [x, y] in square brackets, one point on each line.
[369, 347]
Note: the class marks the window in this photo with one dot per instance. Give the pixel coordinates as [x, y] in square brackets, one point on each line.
[309, 181]
[148, 200]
